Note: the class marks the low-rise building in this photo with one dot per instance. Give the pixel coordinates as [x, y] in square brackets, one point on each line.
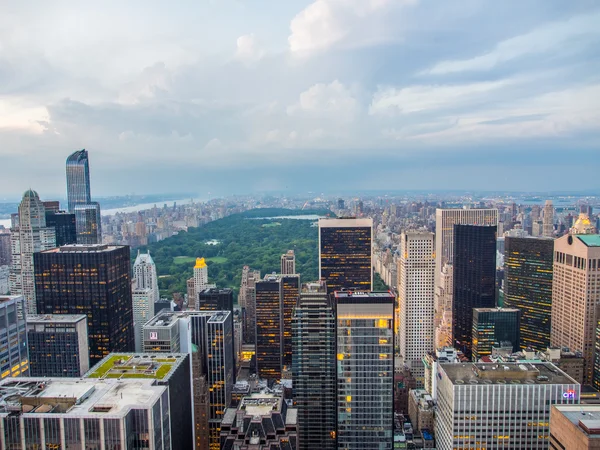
[575, 427]
[421, 410]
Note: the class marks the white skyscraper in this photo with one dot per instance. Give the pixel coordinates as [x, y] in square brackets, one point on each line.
[200, 275]
[445, 219]
[144, 275]
[29, 235]
[416, 273]
[548, 220]
[143, 310]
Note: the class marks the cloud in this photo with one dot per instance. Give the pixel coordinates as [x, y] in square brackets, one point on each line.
[551, 37]
[332, 101]
[248, 49]
[325, 23]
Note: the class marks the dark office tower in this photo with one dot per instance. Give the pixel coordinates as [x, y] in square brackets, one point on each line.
[269, 346]
[64, 226]
[291, 291]
[314, 368]
[5, 251]
[493, 327]
[88, 223]
[58, 345]
[215, 299]
[474, 279]
[92, 280]
[528, 271]
[365, 370]
[345, 248]
[341, 204]
[78, 180]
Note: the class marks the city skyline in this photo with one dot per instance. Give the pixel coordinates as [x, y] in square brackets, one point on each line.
[402, 90]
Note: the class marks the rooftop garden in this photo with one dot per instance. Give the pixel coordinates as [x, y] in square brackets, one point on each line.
[127, 366]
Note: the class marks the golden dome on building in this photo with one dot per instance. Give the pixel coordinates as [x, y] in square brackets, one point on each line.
[583, 225]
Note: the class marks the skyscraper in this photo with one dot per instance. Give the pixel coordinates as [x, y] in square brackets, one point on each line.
[314, 367]
[88, 223]
[528, 287]
[365, 370]
[247, 301]
[345, 253]
[445, 219]
[64, 226]
[78, 180]
[5, 251]
[416, 273]
[290, 290]
[576, 296]
[548, 221]
[474, 279]
[92, 280]
[29, 235]
[493, 326]
[144, 274]
[13, 338]
[288, 263]
[143, 311]
[269, 335]
[58, 345]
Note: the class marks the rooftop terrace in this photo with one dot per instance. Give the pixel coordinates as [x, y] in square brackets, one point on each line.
[155, 366]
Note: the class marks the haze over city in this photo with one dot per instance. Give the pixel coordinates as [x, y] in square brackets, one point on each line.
[237, 96]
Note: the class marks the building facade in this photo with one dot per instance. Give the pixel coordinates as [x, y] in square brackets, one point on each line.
[528, 272]
[29, 235]
[247, 301]
[88, 223]
[144, 275]
[504, 406]
[416, 273]
[290, 291]
[14, 360]
[474, 279]
[576, 296]
[574, 427]
[345, 253]
[314, 368]
[58, 345]
[548, 220]
[64, 227]
[288, 263]
[143, 311]
[78, 180]
[269, 330]
[495, 326]
[92, 280]
[365, 370]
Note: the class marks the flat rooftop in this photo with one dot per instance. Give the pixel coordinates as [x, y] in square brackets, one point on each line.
[9, 298]
[76, 396]
[349, 297]
[169, 318]
[55, 318]
[505, 373]
[497, 309]
[585, 417]
[345, 222]
[84, 248]
[154, 366]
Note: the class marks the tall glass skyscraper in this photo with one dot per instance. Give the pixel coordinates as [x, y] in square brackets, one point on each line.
[365, 370]
[474, 279]
[78, 180]
[269, 336]
[492, 326]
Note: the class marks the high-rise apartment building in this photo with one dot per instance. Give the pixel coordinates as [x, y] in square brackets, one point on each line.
[528, 286]
[92, 280]
[88, 223]
[143, 311]
[290, 291]
[74, 413]
[445, 219]
[64, 227]
[499, 406]
[58, 345]
[474, 279]
[495, 326]
[314, 368]
[144, 274]
[13, 337]
[416, 274]
[78, 180]
[269, 335]
[548, 220]
[576, 296]
[365, 370]
[345, 253]
[288, 263]
[247, 301]
[29, 235]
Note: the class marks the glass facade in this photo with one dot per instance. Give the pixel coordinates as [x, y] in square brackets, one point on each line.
[365, 371]
[494, 326]
[88, 223]
[94, 281]
[78, 180]
[345, 247]
[528, 272]
[268, 328]
[64, 227]
[474, 279]
[314, 369]
[14, 359]
[291, 291]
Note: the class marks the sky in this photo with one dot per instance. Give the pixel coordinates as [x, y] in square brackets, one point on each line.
[239, 96]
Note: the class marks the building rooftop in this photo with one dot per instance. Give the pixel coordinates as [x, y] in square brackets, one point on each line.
[363, 296]
[506, 373]
[496, 309]
[345, 222]
[215, 290]
[9, 298]
[590, 240]
[169, 318]
[155, 366]
[586, 417]
[55, 318]
[76, 396]
[84, 248]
